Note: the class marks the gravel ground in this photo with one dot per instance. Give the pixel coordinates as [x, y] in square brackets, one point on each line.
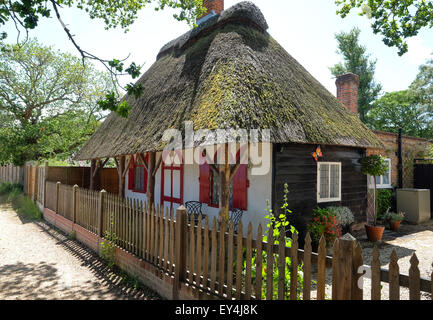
[39, 262]
[407, 240]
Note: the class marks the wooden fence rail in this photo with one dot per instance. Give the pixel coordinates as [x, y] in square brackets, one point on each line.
[213, 258]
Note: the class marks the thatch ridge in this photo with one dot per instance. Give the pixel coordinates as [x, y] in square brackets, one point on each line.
[234, 76]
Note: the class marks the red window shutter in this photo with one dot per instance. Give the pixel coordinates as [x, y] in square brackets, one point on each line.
[240, 188]
[146, 159]
[204, 183]
[131, 175]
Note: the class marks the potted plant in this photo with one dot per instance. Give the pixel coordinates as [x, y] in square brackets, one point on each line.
[374, 165]
[394, 219]
[344, 217]
[324, 222]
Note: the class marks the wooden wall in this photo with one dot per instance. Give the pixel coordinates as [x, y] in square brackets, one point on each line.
[295, 165]
[106, 179]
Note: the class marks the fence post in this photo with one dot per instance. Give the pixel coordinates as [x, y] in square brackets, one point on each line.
[345, 267]
[101, 212]
[180, 255]
[74, 203]
[45, 183]
[36, 183]
[57, 196]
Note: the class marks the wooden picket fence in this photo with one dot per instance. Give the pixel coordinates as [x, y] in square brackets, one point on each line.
[213, 258]
[12, 174]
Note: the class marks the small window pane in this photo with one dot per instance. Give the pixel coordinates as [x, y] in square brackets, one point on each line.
[139, 178]
[324, 181]
[335, 181]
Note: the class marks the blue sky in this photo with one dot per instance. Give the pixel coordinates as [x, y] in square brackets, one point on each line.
[305, 28]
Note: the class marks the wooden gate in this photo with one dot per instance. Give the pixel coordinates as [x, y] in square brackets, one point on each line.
[423, 177]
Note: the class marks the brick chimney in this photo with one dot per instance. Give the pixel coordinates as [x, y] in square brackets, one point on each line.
[213, 7]
[347, 91]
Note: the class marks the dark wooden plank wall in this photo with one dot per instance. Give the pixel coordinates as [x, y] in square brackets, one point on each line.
[295, 165]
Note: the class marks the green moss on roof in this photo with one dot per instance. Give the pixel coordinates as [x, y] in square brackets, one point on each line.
[235, 76]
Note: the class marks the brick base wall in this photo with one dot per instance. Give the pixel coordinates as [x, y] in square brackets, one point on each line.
[151, 276]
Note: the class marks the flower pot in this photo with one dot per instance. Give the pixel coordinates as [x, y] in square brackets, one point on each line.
[394, 225]
[374, 233]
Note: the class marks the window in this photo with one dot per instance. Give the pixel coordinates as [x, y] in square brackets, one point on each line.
[137, 179]
[385, 180]
[172, 180]
[328, 181]
[210, 186]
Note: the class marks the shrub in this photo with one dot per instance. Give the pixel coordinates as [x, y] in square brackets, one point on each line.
[280, 224]
[6, 188]
[384, 201]
[324, 222]
[343, 215]
[392, 216]
[22, 204]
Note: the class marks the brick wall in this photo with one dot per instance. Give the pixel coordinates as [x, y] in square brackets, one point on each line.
[347, 91]
[412, 148]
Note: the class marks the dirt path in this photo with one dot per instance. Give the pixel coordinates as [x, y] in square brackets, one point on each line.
[38, 262]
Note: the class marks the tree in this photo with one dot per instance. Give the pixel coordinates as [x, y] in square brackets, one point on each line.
[47, 102]
[401, 109]
[357, 61]
[395, 20]
[26, 14]
[411, 109]
[423, 85]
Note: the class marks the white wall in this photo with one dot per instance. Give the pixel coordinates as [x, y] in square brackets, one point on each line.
[259, 191]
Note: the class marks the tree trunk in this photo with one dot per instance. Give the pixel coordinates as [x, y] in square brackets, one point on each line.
[120, 171]
[224, 176]
[92, 178]
[151, 178]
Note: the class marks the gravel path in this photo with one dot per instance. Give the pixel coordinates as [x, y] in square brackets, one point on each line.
[408, 240]
[38, 262]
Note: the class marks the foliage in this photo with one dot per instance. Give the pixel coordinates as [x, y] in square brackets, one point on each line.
[343, 215]
[25, 15]
[324, 222]
[357, 61]
[374, 165]
[402, 109]
[48, 103]
[395, 20]
[392, 216]
[108, 245]
[279, 224]
[22, 204]
[6, 188]
[384, 201]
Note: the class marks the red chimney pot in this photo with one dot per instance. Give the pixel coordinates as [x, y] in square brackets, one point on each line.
[347, 91]
[213, 5]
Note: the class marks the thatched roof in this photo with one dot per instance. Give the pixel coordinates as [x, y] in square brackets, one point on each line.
[228, 73]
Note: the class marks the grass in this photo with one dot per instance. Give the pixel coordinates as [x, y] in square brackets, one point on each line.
[23, 205]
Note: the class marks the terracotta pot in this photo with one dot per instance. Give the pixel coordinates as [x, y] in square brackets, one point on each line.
[374, 233]
[394, 225]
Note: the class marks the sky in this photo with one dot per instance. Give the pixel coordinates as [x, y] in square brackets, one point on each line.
[305, 28]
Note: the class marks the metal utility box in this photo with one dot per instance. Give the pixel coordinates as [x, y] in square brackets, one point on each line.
[415, 203]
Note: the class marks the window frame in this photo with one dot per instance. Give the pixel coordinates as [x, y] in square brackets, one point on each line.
[336, 199]
[145, 177]
[382, 185]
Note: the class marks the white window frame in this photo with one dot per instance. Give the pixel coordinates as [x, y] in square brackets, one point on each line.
[329, 178]
[382, 185]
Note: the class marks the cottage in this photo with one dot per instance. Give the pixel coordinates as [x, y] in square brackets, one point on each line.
[229, 73]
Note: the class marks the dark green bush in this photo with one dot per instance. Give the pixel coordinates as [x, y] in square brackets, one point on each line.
[384, 201]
